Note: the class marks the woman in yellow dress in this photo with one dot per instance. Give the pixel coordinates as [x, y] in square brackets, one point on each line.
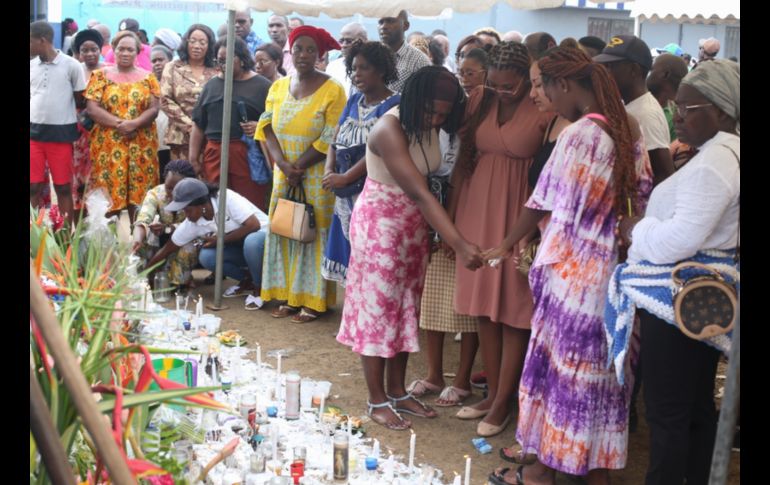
[301, 112]
[123, 101]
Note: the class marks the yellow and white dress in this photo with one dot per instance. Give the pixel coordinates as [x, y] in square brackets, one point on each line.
[292, 270]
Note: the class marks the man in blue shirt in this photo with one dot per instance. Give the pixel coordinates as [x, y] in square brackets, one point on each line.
[243, 23]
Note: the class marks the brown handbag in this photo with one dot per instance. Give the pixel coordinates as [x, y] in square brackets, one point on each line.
[704, 306]
[293, 217]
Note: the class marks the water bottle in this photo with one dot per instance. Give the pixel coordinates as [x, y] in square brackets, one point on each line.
[162, 287]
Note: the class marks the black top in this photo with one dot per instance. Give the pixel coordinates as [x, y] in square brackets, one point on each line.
[541, 157]
[209, 109]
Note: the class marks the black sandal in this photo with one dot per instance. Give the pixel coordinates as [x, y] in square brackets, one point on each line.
[519, 457]
[496, 479]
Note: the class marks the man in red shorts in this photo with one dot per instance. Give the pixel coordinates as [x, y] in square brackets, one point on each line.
[56, 84]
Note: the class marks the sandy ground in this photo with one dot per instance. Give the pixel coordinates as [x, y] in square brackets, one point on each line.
[441, 442]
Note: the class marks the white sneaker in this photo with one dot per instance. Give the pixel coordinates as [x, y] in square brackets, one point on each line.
[253, 303]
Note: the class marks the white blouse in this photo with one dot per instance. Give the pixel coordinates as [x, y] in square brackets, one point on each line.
[696, 208]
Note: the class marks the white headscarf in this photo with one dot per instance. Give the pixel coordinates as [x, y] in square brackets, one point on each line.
[169, 38]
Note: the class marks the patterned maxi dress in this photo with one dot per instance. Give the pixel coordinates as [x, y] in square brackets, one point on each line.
[291, 269]
[572, 412]
[355, 124]
[126, 168]
[389, 240]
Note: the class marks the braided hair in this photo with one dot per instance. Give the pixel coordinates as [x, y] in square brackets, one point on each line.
[565, 63]
[417, 102]
[181, 167]
[510, 55]
[503, 56]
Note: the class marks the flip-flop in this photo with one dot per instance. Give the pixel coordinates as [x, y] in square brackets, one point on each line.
[515, 454]
[426, 409]
[284, 311]
[451, 396]
[405, 423]
[422, 387]
[304, 316]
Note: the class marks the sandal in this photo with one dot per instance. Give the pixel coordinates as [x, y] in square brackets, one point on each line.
[498, 477]
[422, 387]
[253, 302]
[284, 311]
[515, 454]
[304, 316]
[405, 424]
[426, 409]
[451, 396]
[235, 291]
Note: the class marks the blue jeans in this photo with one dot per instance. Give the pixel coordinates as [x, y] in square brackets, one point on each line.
[237, 256]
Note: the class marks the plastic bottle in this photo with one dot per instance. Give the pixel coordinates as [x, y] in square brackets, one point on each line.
[162, 290]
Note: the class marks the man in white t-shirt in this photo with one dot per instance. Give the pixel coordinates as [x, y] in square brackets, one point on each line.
[245, 232]
[56, 85]
[351, 34]
[629, 60]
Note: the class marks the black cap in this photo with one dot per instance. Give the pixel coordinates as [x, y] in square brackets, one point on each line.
[626, 48]
[129, 24]
[593, 42]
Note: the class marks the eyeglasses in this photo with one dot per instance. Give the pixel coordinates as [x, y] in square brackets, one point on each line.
[469, 72]
[197, 42]
[682, 110]
[503, 92]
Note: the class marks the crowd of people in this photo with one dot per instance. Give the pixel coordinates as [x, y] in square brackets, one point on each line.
[488, 192]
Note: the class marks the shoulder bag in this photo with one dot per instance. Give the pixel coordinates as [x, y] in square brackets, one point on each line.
[293, 217]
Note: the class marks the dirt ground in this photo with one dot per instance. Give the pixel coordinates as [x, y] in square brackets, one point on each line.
[441, 442]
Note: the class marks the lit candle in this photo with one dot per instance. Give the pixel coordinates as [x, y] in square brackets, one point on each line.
[467, 470]
[457, 479]
[412, 442]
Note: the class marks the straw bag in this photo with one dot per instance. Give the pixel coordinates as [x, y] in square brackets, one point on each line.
[293, 217]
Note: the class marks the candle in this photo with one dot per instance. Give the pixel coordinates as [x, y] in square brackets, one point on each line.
[389, 468]
[238, 345]
[457, 479]
[350, 427]
[412, 442]
[276, 432]
[467, 470]
[278, 365]
[177, 302]
[259, 356]
[376, 449]
[321, 407]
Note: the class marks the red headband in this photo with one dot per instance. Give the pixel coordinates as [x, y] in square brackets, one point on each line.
[323, 39]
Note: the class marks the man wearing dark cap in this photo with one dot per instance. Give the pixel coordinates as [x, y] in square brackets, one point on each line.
[143, 57]
[628, 59]
[591, 45]
[408, 59]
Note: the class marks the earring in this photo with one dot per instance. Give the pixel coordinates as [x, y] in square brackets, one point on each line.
[204, 211]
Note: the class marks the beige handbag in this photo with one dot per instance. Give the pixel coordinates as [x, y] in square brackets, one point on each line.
[293, 217]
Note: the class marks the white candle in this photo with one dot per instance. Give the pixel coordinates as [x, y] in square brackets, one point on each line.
[467, 470]
[259, 356]
[276, 432]
[389, 468]
[376, 449]
[321, 407]
[412, 442]
[350, 429]
[278, 365]
[457, 479]
[177, 303]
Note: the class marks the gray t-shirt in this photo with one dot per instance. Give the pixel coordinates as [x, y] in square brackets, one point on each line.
[52, 115]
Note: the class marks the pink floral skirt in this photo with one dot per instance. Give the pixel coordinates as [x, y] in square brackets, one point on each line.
[388, 260]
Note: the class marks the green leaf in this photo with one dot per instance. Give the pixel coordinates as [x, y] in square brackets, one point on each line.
[150, 397]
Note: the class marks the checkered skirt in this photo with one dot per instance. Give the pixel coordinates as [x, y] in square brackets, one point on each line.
[437, 311]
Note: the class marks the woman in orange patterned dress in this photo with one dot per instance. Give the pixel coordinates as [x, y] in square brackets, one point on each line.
[123, 102]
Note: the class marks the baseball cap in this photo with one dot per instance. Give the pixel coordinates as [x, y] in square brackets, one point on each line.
[186, 191]
[129, 24]
[626, 48]
[671, 49]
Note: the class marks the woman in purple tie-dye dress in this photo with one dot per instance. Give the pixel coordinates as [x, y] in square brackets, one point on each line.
[573, 414]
